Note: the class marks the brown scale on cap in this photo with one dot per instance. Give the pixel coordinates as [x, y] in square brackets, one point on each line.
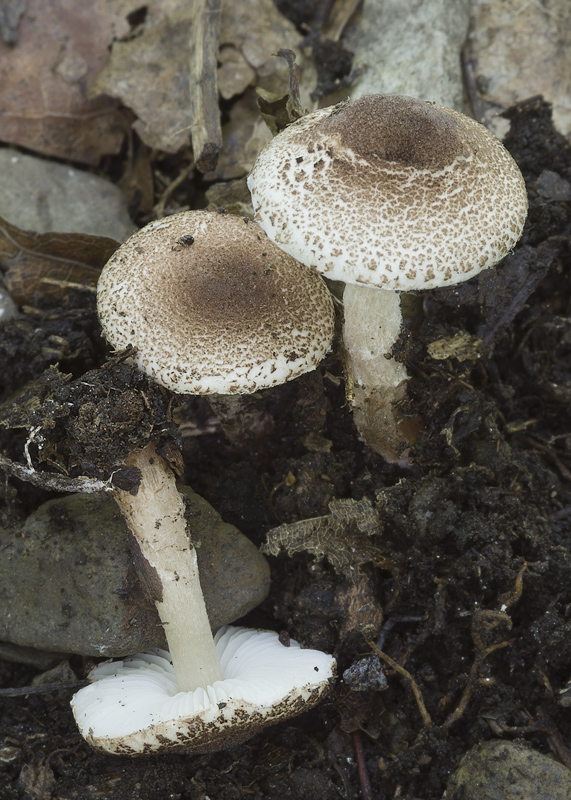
[213, 306]
[390, 191]
[237, 722]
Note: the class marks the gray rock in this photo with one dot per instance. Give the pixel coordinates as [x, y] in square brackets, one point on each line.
[40, 195]
[67, 582]
[413, 47]
[8, 308]
[506, 771]
[40, 659]
[517, 50]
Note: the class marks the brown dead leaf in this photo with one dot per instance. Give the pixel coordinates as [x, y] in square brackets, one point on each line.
[49, 263]
[257, 30]
[234, 72]
[149, 73]
[342, 537]
[60, 49]
[243, 137]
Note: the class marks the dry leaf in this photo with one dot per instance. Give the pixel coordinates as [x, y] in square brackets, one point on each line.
[341, 537]
[49, 263]
[257, 30]
[516, 50]
[461, 346]
[60, 49]
[243, 137]
[149, 74]
[234, 73]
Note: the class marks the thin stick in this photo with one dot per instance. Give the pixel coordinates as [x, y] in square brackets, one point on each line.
[159, 208]
[206, 131]
[51, 481]
[413, 684]
[364, 780]
[467, 693]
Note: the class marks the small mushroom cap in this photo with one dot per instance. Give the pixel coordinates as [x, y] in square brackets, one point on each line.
[211, 305]
[391, 192]
[134, 707]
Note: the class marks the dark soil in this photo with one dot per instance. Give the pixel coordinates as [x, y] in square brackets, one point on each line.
[468, 584]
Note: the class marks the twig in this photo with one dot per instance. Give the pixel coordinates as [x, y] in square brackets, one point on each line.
[51, 481]
[159, 208]
[206, 131]
[413, 684]
[58, 752]
[297, 110]
[42, 688]
[364, 780]
[467, 693]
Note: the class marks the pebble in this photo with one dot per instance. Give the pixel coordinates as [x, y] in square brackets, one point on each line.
[41, 195]
[8, 308]
[412, 47]
[499, 770]
[517, 50]
[67, 582]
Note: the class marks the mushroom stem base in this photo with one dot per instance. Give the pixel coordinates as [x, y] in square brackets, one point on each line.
[377, 418]
[167, 564]
[373, 321]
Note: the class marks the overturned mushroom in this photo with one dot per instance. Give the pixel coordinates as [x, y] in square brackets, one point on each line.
[135, 706]
[388, 194]
[209, 304]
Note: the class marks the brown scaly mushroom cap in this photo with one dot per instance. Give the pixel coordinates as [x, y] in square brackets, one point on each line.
[212, 306]
[390, 191]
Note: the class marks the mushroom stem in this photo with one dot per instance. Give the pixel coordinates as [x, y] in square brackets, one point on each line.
[373, 320]
[168, 566]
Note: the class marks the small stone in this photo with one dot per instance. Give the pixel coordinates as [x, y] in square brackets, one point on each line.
[553, 187]
[515, 51]
[68, 584]
[506, 771]
[412, 47]
[366, 675]
[40, 195]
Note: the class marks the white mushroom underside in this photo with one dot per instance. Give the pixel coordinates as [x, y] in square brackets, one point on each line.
[134, 706]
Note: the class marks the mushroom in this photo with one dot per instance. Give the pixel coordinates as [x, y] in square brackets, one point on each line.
[135, 706]
[387, 194]
[208, 304]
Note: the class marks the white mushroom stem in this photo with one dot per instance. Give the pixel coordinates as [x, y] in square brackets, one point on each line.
[168, 563]
[373, 320]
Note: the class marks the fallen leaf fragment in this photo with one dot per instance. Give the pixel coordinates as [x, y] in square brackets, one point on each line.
[342, 537]
[150, 74]
[45, 75]
[49, 263]
[516, 50]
